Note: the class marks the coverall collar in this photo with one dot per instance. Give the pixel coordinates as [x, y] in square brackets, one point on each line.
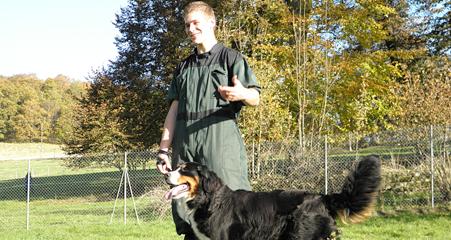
[212, 51]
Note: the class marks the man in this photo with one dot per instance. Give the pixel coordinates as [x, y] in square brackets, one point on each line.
[206, 94]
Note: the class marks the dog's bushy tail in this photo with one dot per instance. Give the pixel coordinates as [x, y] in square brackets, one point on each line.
[356, 201]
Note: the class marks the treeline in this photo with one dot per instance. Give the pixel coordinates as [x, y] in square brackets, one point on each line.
[34, 110]
[324, 66]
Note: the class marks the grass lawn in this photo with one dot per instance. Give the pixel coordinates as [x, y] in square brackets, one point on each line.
[14, 160]
[405, 226]
[14, 151]
[158, 230]
[13, 169]
[81, 218]
[86, 219]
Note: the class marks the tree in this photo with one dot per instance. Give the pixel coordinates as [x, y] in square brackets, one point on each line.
[60, 96]
[432, 18]
[26, 122]
[133, 85]
[334, 70]
[261, 31]
[271, 121]
[334, 66]
[426, 97]
[151, 35]
[31, 108]
[98, 126]
[29, 122]
[135, 69]
[8, 107]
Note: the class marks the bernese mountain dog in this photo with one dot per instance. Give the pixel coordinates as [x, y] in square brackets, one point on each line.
[219, 213]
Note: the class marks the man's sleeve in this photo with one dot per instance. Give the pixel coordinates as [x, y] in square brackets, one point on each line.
[173, 93]
[241, 68]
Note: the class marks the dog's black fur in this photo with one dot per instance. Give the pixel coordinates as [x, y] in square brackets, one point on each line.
[222, 214]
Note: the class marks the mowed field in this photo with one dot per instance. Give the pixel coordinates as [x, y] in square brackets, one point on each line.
[77, 204]
[402, 226]
[25, 151]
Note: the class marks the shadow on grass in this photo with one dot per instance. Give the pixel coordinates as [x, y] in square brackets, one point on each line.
[101, 186]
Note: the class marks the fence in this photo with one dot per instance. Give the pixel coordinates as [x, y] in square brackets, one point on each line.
[416, 165]
[416, 172]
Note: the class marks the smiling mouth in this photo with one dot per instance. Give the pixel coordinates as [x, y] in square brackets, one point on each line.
[176, 191]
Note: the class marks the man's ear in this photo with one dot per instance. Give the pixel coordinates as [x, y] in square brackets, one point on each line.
[212, 23]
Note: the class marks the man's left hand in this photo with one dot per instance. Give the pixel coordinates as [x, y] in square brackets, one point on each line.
[235, 93]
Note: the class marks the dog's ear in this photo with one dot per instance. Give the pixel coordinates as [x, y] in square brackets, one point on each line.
[208, 179]
[203, 171]
[205, 187]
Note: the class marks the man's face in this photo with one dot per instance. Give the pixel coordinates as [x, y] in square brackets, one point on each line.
[199, 27]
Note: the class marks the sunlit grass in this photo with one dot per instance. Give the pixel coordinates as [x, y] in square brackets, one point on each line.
[80, 219]
[29, 150]
[403, 226]
[156, 230]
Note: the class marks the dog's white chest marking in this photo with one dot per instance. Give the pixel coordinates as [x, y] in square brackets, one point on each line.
[188, 216]
[193, 224]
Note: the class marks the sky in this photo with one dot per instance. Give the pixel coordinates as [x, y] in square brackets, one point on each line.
[51, 37]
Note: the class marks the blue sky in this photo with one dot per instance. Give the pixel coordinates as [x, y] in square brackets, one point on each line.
[51, 37]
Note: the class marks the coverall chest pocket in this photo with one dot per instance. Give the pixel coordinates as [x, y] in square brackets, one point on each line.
[219, 77]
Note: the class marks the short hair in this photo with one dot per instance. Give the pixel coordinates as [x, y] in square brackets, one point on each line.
[199, 6]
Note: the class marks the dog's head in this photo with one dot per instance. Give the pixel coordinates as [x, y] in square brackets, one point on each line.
[191, 180]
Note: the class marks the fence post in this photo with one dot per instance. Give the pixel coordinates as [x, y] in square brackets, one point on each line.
[253, 157]
[258, 159]
[431, 142]
[325, 165]
[28, 193]
[125, 188]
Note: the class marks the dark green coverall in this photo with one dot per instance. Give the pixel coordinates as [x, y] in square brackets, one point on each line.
[206, 129]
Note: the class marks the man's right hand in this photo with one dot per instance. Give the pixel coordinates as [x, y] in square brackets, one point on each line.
[163, 165]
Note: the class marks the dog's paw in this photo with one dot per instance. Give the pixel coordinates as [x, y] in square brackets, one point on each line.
[335, 235]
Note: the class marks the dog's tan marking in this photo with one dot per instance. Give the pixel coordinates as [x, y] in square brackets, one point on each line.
[360, 216]
[193, 183]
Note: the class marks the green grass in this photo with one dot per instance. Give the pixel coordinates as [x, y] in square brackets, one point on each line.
[403, 226]
[14, 164]
[95, 186]
[82, 219]
[157, 230]
[13, 169]
[42, 167]
[13, 151]
[72, 220]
